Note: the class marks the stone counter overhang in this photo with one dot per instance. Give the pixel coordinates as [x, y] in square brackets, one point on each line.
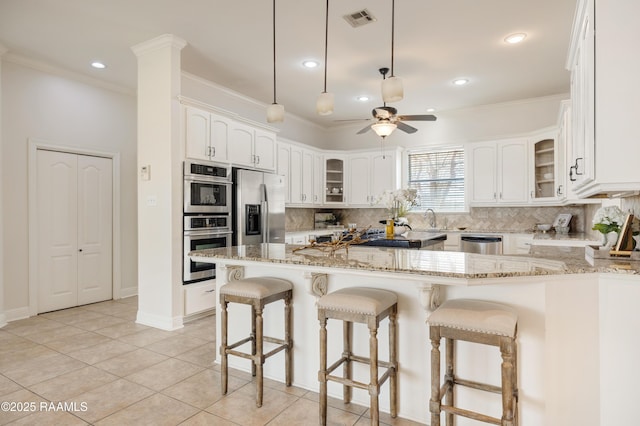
[455, 267]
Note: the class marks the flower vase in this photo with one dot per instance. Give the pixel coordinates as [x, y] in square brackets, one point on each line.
[400, 227]
[610, 239]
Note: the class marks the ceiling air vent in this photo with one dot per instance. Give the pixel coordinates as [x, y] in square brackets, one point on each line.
[359, 18]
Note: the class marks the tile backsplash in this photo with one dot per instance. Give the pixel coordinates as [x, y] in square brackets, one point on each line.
[479, 218]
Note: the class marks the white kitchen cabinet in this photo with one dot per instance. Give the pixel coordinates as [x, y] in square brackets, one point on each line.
[605, 91]
[517, 243]
[199, 297]
[370, 174]
[498, 172]
[206, 134]
[334, 169]
[251, 147]
[545, 169]
[301, 176]
[318, 179]
[283, 167]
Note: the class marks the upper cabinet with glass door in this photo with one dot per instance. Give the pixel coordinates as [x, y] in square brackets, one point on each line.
[334, 180]
[546, 186]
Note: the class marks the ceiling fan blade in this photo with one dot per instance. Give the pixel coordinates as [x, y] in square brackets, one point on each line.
[424, 117]
[346, 120]
[405, 127]
[364, 130]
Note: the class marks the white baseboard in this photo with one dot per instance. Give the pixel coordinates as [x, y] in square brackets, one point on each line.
[161, 322]
[16, 314]
[128, 292]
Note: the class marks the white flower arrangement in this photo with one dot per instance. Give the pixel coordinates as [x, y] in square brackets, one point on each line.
[608, 219]
[399, 201]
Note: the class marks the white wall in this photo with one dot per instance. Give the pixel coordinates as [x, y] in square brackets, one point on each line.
[62, 111]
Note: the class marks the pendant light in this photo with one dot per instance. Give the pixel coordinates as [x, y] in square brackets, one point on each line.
[392, 90]
[275, 112]
[324, 105]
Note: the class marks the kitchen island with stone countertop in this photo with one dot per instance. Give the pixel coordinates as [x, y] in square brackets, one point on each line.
[577, 360]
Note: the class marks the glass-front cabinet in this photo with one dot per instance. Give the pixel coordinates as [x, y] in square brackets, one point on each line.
[544, 164]
[334, 180]
[547, 181]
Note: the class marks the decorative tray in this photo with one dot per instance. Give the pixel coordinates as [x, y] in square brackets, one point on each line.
[593, 252]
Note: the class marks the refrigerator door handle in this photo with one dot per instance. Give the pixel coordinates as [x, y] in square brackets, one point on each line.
[265, 214]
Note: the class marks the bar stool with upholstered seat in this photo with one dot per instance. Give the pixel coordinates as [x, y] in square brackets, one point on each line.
[257, 292]
[481, 322]
[368, 306]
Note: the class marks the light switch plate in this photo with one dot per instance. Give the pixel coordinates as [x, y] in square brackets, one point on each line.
[145, 172]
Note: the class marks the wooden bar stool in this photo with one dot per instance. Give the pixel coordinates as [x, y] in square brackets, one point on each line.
[368, 306]
[481, 322]
[257, 292]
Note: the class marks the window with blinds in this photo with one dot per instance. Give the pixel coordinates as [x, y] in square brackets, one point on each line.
[438, 176]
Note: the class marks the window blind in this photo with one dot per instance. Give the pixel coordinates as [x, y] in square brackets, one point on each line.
[438, 176]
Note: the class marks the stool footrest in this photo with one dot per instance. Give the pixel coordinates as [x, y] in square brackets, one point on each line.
[275, 351]
[477, 385]
[470, 414]
[240, 342]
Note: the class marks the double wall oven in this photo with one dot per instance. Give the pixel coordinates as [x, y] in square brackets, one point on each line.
[207, 215]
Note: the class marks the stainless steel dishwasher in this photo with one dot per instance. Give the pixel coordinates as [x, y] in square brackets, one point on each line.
[483, 244]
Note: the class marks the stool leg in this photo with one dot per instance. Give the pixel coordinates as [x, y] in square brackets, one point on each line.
[507, 351]
[374, 387]
[347, 333]
[322, 374]
[449, 377]
[258, 359]
[289, 342]
[393, 360]
[223, 347]
[253, 338]
[434, 403]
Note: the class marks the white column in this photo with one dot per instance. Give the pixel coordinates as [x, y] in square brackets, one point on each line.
[160, 296]
[3, 318]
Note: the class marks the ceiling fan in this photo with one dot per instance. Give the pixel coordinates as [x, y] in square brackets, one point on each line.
[387, 118]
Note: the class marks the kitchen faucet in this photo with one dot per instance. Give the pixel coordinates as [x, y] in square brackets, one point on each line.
[432, 219]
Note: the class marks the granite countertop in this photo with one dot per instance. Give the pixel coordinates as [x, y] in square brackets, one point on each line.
[544, 260]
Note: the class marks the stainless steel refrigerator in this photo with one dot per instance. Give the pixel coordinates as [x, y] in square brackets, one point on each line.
[258, 207]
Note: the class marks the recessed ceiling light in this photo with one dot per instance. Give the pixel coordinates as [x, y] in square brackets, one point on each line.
[363, 98]
[98, 65]
[431, 110]
[515, 38]
[310, 64]
[460, 81]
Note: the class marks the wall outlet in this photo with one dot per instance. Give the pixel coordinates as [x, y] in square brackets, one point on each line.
[152, 200]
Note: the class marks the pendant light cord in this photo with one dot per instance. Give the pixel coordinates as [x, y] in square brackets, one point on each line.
[393, 22]
[326, 43]
[274, 51]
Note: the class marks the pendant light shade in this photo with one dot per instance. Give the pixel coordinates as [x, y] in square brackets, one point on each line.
[324, 105]
[392, 90]
[384, 128]
[275, 112]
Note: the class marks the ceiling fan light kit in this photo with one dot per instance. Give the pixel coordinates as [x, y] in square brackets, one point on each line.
[275, 112]
[384, 128]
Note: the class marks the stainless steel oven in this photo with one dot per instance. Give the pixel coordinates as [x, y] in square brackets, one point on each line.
[207, 188]
[203, 232]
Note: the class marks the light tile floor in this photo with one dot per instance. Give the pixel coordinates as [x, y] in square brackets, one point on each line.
[109, 370]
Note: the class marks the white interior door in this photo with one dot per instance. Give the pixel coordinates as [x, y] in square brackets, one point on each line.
[74, 229]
